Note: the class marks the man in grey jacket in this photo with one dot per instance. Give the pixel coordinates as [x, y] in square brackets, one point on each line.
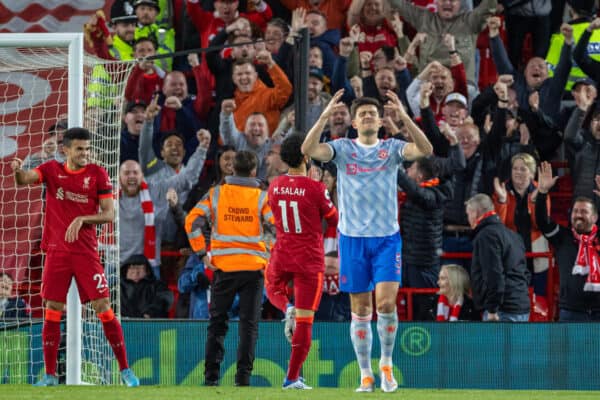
[465, 26]
[255, 138]
[170, 171]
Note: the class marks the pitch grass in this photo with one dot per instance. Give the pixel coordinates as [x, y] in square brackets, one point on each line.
[22, 392]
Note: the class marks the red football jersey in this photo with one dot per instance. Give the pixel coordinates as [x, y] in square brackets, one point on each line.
[299, 204]
[71, 194]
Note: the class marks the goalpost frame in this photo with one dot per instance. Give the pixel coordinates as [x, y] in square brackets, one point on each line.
[74, 42]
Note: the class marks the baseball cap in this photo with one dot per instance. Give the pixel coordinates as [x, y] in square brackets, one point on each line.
[583, 81]
[456, 97]
[316, 72]
[60, 124]
[132, 104]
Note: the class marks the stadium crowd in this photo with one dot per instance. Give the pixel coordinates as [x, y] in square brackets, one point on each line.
[495, 107]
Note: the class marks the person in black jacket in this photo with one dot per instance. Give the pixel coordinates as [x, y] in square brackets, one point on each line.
[576, 252]
[422, 223]
[499, 274]
[142, 295]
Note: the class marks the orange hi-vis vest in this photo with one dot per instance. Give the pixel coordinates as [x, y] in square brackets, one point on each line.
[236, 214]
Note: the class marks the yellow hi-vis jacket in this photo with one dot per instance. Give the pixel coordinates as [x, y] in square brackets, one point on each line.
[236, 213]
[556, 42]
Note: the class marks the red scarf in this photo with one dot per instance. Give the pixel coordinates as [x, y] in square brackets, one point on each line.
[331, 284]
[484, 216]
[428, 183]
[588, 261]
[149, 229]
[447, 312]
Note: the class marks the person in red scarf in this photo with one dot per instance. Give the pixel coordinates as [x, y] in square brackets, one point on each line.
[576, 251]
[454, 302]
[499, 273]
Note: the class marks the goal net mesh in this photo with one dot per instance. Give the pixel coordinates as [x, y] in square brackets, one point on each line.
[33, 112]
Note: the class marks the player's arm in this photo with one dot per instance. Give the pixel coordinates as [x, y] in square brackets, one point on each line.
[311, 145]
[106, 214]
[23, 177]
[420, 146]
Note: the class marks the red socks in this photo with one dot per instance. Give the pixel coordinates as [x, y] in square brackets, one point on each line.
[51, 339]
[300, 346]
[114, 335]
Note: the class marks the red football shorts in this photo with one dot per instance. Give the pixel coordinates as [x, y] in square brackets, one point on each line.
[60, 267]
[308, 286]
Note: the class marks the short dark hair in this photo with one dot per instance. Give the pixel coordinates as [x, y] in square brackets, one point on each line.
[291, 152]
[584, 199]
[426, 167]
[142, 39]
[364, 101]
[76, 134]
[241, 62]
[168, 134]
[244, 163]
[281, 24]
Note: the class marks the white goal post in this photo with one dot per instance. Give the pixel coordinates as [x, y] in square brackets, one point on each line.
[60, 57]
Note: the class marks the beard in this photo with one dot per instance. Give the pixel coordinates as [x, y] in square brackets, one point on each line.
[369, 132]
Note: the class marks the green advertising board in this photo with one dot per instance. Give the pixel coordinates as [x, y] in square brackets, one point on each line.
[427, 355]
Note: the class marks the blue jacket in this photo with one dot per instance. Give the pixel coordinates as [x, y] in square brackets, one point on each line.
[327, 42]
[129, 146]
[188, 283]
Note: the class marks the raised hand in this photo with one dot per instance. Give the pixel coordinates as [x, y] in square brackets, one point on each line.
[545, 178]
[356, 35]
[227, 106]
[265, 57]
[333, 103]
[193, 60]
[525, 135]
[397, 25]
[357, 85]
[500, 189]
[534, 101]
[394, 100]
[449, 133]
[16, 164]
[173, 102]
[365, 59]
[203, 138]
[346, 46]
[595, 24]
[507, 79]
[172, 197]
[494, 24]
[567, 31]
[152, 110]
[449, 42]
[298, 20]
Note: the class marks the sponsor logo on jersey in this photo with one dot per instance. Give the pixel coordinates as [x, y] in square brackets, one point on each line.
[60, 194]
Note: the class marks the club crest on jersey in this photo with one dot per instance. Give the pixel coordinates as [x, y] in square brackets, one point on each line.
[86, 182]
[383, 154]
[351, 169]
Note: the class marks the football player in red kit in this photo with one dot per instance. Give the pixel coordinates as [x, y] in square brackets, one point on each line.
[299, 204]
[78, 197]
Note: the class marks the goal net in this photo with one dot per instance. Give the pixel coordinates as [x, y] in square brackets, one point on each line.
[41, 94]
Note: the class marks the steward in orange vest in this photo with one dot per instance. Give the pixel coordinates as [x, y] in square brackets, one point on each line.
[238, 214]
